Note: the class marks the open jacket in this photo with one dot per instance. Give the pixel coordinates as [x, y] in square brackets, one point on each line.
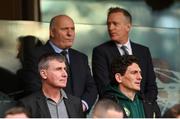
[37, 106]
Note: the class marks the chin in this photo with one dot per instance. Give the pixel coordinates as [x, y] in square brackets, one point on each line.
[62, 85]
[69, 46]
[115, 40]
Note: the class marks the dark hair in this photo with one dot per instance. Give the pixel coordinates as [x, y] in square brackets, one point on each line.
[30, 41]
[172, 112]
[44, 60]
[17, 110]
[121, 10]
[26, 45]
[121, 63]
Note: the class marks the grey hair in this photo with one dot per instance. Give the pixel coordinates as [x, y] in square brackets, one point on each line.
[44, 60]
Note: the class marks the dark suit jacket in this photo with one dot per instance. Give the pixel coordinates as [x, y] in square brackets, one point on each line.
[101, 67]
[37, 106]
[82, 82]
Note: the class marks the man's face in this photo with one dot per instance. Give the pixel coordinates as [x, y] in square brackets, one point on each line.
[55, 75]
[131, 80]
[63, 32]
[118, 27]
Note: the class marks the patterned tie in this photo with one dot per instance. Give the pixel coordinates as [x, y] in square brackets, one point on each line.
[68, 88]
[124, 48]
[64, 53]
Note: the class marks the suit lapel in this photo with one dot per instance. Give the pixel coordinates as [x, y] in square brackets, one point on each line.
[48, 47]
[43, 108]
[113, 49]
[74, 64]
[69, 107]
[134, 49]
[71, 57]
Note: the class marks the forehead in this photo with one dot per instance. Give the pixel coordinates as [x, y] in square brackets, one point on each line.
[64, 21]
[133, 67]
[116, 15]
[54, 62]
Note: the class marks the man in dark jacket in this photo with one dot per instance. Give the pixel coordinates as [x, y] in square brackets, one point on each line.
[125, 87]
[119, 24]
[80, 82]
[51, 101]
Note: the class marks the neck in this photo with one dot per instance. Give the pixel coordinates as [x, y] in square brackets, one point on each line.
[127, 92]
[52, 93]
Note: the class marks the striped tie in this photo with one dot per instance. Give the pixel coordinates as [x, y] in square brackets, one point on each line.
[124, 48]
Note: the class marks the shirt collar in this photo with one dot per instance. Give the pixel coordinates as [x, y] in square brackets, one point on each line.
[56, 49]
[127, 44]
[63, 94]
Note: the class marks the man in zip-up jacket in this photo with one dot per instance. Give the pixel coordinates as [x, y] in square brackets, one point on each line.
[125, 89]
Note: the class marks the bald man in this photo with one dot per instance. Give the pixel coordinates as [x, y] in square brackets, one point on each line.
[80, 82]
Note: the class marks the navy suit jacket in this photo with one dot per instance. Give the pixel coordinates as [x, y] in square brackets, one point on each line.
[37, 106]
[83, 84]
[101, 67]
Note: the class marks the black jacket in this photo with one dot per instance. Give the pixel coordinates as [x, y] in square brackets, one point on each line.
[101, 67]
[37, 106]
[83, 84]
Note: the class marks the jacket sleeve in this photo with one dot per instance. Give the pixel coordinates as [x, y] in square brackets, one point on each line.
[90, 93]
[151, 89]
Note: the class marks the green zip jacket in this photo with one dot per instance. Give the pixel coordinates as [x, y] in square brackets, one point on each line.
[138, 108]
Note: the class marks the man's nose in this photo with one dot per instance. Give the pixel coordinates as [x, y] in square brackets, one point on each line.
[110, 26]
[65, 74]
[139, 76]
[70, 32]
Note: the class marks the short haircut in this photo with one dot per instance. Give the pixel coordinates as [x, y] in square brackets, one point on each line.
[103, 105]
[121, 63]
[121, 10]
[17, 110]
[172, 112]
[53, 20]
[44, 60]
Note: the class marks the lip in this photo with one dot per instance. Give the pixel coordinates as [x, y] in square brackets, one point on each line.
[69, 40]
[112, 34]
[138, 83]
[63, 80]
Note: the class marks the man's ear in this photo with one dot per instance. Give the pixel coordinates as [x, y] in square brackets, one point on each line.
[43, 74]
[118, 77]
[51, 32]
